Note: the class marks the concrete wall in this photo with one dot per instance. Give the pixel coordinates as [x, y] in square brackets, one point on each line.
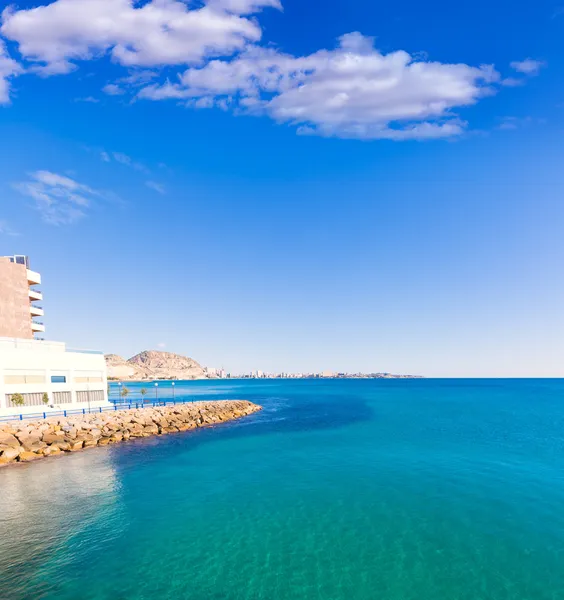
[15, 316]
[27, 368]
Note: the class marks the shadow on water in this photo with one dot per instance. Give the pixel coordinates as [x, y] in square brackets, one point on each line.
[279, 415]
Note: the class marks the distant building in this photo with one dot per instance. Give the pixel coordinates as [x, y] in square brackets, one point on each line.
[17, 297]
[35, 375]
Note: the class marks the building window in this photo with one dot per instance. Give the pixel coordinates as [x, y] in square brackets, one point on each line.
[62, 397]
[18, 377]
[35, 399]
[58, 379]
[90, 396]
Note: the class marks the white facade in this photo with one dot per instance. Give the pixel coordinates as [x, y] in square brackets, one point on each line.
[72, 379]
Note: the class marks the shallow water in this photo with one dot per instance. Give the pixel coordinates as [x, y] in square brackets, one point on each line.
[351, 489]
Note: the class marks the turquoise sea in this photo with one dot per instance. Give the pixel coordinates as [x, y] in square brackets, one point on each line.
[338, 490]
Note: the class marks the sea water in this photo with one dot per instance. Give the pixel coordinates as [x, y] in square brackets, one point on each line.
[337, 490]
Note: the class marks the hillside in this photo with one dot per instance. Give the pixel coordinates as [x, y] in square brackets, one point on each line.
[152, 364]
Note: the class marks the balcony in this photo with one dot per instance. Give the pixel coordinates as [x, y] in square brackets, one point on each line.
[35, 295]
[33, 278]
[36, 311]
[37, 327]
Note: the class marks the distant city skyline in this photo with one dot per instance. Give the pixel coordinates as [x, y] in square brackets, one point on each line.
[256, 374]
[301, 187]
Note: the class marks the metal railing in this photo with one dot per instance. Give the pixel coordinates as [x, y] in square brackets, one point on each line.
[93, 410]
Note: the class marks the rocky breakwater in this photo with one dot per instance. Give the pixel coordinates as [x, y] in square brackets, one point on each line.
[26, 441]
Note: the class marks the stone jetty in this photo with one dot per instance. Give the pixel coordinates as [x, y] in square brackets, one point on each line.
[26, 441]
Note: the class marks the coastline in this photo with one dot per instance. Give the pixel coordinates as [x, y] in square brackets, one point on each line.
[31, 440]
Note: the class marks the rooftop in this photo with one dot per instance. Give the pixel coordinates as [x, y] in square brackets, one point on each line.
[39, 346]
[19, 259]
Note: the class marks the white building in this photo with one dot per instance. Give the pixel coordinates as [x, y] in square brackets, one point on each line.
[71, 379]
[45, 375]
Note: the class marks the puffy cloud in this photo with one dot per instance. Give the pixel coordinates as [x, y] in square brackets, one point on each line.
[244, 7]
[60, 199]
[112, 89]
[528, 66]
[352, 91]
[159, 32]
[8, 69]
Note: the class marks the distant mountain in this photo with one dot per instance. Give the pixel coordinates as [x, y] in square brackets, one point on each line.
[152, 364]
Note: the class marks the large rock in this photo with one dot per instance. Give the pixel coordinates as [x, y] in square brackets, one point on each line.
[52, 438]
[51, 450]
[9, 453]
[32, 443]
[62, 445]
[7, 439]
[29, 456]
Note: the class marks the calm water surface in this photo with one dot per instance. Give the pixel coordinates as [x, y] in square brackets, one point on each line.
[338, 490]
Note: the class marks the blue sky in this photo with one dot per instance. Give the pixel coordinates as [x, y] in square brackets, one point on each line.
[291, 187]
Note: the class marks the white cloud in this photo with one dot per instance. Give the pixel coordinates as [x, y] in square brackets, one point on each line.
[161, 345]
[159, 32]
[244, 7]
[352, 91]
[513, 82]
[509, 123]
[60, 199]
[122, 158]
[126, 160]
[88, 99]
[8, 68]
[135, 79]
[139, 77]
[158, 187]
[528, 66]
[113, 89]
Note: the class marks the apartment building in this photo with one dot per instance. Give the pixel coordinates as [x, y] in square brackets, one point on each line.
[38, 375]
[18, 297]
